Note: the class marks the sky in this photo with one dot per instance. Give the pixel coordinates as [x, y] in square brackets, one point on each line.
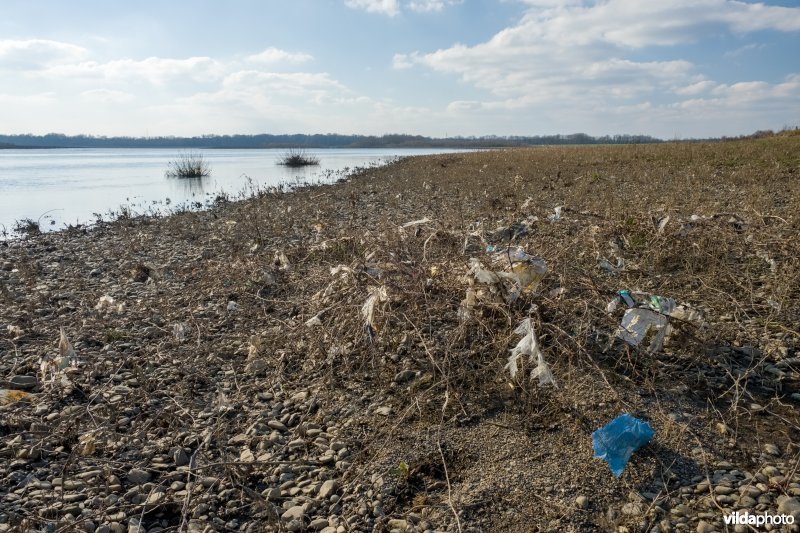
[671, 69]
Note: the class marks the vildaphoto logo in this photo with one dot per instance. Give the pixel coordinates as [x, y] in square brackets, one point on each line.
[749, 519]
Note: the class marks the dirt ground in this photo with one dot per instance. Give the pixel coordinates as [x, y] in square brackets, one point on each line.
[334, 358]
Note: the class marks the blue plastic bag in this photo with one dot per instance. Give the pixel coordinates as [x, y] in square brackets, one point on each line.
[616, 441]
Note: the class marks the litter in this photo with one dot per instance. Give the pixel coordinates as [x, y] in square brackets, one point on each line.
[556, 216]
[313, 321]
[179, 331]
[416, 222]
[605, 264]
[529, 345]
[647, 316]
[280, 260]
[108, 303]
[508, 233]
[9, 396]
[637, 323]
[662, 224]
[526, 270]
[616, 441]
[377, 294]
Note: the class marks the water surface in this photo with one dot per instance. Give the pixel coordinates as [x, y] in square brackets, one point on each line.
[63, 187]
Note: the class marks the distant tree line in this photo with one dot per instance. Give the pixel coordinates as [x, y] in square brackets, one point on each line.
[330, 140]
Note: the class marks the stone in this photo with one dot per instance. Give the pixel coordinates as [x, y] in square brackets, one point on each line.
[405, 375]
[397, 524]
[138, 476]
[23, 382]
[705, 527]
[180, 457]
[328, 489]
[318, 524]
[582, 502]
[384, 411]
[277, 425]
[632, 509]
[293, 513]
[771, 449]
[256, 366]
[789, 506]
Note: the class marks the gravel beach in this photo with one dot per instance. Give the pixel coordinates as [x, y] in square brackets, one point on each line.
[334, 358]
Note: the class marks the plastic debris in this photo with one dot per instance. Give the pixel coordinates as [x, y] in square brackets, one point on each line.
[377, 294]
[605, 264]
[508, 233]
[416, 222]
[637, 323]
[529, 345]
[232, 306]
[616, 441]
[467, 305]
[313, 322]
[647, 317]
[556, 216]
[662, 224]
[280, 260]
[526, 271]
[179, 331]
[9, 396]
[105, 302]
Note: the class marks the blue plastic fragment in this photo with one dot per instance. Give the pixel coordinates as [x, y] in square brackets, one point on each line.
[616, 441]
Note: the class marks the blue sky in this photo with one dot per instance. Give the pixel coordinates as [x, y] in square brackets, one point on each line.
[683, 68]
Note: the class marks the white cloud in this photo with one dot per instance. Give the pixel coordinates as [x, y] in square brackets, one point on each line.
[106, 96]
[573, 54]
[32, 54]
[384, 7]
[274, 55]
[695, 88]
[155, 70]
[428, 6]
[36, 99]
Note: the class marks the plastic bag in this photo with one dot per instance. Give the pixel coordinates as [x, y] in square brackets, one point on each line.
[529, 345]
[637, 323]
[648, 316]
[616, 441]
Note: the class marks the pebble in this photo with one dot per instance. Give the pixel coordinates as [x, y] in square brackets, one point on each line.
[582, 502]
[138, 476]
[789, 506]
[404, 376]
[295, 512]
[318, 524]
[23, 382]
[771, 449]
[328, 489]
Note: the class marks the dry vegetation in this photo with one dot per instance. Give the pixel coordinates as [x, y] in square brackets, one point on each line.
[411, 420]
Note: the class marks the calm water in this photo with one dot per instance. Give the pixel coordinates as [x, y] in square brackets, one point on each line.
[71, 186]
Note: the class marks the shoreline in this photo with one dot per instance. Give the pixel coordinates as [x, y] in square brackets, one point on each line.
[313, 360]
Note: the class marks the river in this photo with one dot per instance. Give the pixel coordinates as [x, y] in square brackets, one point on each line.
[61, 187]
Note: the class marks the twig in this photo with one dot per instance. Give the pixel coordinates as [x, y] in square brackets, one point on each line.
[444, 463]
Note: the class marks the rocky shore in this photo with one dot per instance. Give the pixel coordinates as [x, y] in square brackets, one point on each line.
[333, 359]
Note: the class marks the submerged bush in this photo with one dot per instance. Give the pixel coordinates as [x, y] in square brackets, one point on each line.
[191, 165]
[298, 158]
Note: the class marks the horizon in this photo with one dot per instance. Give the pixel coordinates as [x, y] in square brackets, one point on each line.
[435, 68]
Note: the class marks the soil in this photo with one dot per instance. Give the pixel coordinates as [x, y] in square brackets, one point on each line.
[312, 360]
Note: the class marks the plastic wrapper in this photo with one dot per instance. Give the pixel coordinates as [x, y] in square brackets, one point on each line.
[619, 439]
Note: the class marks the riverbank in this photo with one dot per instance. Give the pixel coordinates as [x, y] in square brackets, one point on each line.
[332, 358]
